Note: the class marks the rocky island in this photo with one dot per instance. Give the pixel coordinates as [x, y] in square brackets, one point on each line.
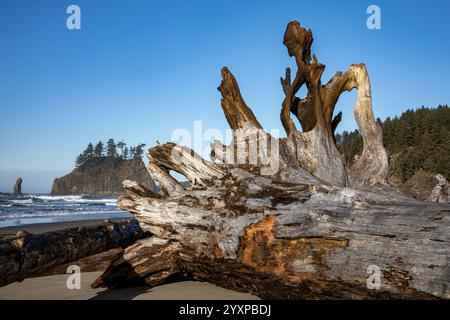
[101, 173]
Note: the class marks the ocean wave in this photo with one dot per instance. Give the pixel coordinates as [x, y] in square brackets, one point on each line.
[29, 199]
[93, 200]
[53, 198]
[34, 207]
[22, 201]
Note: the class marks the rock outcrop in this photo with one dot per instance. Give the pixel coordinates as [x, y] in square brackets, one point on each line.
[18, 186]
[440, 193]
[103, 176]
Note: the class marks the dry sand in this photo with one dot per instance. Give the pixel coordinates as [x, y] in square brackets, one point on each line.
[54, 287]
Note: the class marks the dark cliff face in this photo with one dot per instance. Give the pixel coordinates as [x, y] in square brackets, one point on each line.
[102, 176]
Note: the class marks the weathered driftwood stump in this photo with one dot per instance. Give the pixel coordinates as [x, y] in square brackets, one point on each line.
[284, 218]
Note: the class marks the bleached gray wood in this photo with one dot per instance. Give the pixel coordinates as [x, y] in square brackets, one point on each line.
[310, 230]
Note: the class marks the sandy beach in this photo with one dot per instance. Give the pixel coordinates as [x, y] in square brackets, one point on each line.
[54, 286]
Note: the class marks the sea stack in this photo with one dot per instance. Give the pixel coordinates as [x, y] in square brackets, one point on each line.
[103, 176]
[18, 186]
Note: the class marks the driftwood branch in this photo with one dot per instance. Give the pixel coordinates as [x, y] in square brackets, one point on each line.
[139, 189]
[167, 184]
[184, 161]
[238, 114]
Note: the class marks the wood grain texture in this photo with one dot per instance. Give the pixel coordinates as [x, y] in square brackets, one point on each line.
[311, 229]
[289, 240]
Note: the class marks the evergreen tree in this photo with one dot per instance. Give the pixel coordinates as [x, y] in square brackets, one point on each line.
[98, 150]
[89, 152]
[125, 153]
[87, 155]
[121, 146]
[111, 149]
[139, 150]
[80, 160]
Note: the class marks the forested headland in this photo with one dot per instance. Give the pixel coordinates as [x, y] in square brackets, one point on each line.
[418, 142]
[111, 150]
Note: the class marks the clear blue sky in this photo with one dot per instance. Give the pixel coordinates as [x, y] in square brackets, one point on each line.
[138, 69]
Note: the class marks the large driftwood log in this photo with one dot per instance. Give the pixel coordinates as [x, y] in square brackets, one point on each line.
[26, 255]
[287, 219]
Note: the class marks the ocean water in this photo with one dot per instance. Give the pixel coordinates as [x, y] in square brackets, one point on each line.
[44, 208]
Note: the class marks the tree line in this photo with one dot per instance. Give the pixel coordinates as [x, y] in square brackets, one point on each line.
[417, 140]
[112, 150]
